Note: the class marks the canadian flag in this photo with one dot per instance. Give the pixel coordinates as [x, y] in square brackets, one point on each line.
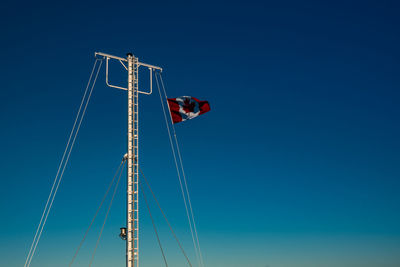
[186, 107]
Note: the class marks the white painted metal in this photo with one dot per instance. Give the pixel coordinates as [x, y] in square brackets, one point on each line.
[149, 66]
[104, 55]
[132, 218]
[132, 242]
[151, 83]
[114, 86]
[122, 63]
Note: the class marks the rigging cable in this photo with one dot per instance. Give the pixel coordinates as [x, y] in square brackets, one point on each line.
[108, 211]
[97, 212]
[190, 215]
[165, 216]
[154, 225]
[63, 163]
[178, 172]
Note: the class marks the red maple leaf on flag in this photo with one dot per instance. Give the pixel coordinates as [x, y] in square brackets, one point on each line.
[188, 106]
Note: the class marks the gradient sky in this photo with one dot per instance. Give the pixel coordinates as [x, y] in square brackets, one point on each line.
[297, 164]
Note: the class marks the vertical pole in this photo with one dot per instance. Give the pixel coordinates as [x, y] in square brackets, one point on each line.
[129, 216]
[132, 240]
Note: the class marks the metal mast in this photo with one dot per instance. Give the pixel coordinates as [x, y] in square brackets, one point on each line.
[132, 217]
[132, 220]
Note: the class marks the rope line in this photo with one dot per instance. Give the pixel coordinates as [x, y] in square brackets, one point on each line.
[95, 215]
[154, 225]
[183, 174]
[105, 219]
[165, 217]
[185, 193]
[62, 165]
[177, 169]
[69, 153]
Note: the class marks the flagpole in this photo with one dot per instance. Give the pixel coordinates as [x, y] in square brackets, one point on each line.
[132, 241]
[132, 158]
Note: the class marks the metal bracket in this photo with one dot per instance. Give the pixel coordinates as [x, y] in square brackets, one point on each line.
[151, 83]
[122, 60]
[110, 56]
[151, 69]
[114, 86]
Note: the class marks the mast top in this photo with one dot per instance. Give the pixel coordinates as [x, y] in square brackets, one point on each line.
[108, 56]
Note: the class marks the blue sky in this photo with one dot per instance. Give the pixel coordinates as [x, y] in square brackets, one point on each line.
[297, 164]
